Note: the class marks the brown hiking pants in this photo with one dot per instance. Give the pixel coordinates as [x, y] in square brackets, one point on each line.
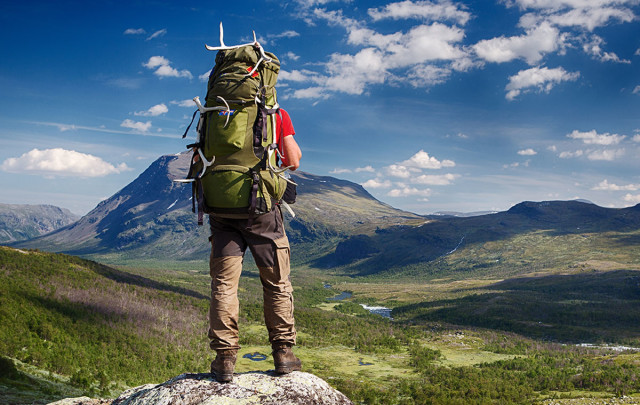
[270, 249]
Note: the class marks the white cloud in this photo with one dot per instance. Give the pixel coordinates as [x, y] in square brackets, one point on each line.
[168, 71]
[586, 19]
[606, 186]
[633, 199]
[583, 14]
[593, 47]
[409, 192]
[311, 92]
[398, 171]
[313, 3]
[205, 76]
[567, 155]
[636, 138]
[542, 79]
[424, 76]
[531, 47]
[376, 183]
[593, 138]
[422, 160]
[352, 73]
[291, 56]
[138, 126]
[61, 162]
[423, 56]
[184, 103]
[134, 31]
[157, 34]
[605, 154]
[429, 47]
[163, 68]
[636, 90]
[367, 169]
[608, 154]
[285, 34]
[527, 152]
[154, 111]
[435, 180]
[426, 10]
[459, 135]
[340, 171]
[303, 75]
[156, 61]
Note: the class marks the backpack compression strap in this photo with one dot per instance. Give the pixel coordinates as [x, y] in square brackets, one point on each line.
[253, 199]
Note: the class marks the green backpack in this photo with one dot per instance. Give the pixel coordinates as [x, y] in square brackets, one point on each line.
[235, 159]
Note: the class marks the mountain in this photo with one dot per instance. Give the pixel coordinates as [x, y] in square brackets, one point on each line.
[151, 217]
[20, 222]
[528, 237]
[339, 224]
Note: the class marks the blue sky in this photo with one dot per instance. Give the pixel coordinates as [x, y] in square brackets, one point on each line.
[430, 105]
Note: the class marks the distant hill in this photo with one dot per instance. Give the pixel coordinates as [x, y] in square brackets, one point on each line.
[20, 222]
[151, 217]
[462, 214]
[528, 237]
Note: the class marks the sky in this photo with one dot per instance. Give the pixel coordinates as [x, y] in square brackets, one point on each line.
[470, 105]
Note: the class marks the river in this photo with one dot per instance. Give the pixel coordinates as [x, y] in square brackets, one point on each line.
[377, 310]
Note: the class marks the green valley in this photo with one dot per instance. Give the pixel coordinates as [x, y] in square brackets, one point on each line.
[72, 326]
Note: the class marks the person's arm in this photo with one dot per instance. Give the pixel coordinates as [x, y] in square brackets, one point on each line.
[292, 152]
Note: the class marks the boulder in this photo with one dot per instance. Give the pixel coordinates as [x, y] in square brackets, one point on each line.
[264, 388]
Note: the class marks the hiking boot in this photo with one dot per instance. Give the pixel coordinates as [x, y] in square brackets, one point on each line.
[284, 360]
[222, 366]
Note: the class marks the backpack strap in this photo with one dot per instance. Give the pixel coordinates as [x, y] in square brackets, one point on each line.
[197, 192]
[191, 123]
[198, 195]
[253, 199]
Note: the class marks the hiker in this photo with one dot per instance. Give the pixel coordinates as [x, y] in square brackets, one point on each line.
[237, 180]
[265, 236]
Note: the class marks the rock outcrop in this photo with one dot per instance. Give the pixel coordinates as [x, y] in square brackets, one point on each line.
[264, 388]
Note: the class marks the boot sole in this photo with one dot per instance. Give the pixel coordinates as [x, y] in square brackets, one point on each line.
[223, 378]
[288, 369]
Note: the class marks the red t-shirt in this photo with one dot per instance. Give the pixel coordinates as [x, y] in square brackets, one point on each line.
[284, 128]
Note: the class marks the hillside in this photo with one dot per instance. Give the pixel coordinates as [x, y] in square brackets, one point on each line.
[151, 217]
[20, 221]
[97, 327]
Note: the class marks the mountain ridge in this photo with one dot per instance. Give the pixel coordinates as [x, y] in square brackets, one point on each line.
[26, 221]
[151, 217]
[339, 225]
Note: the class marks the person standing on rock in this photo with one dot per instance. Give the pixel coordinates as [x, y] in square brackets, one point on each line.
[265, 236]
